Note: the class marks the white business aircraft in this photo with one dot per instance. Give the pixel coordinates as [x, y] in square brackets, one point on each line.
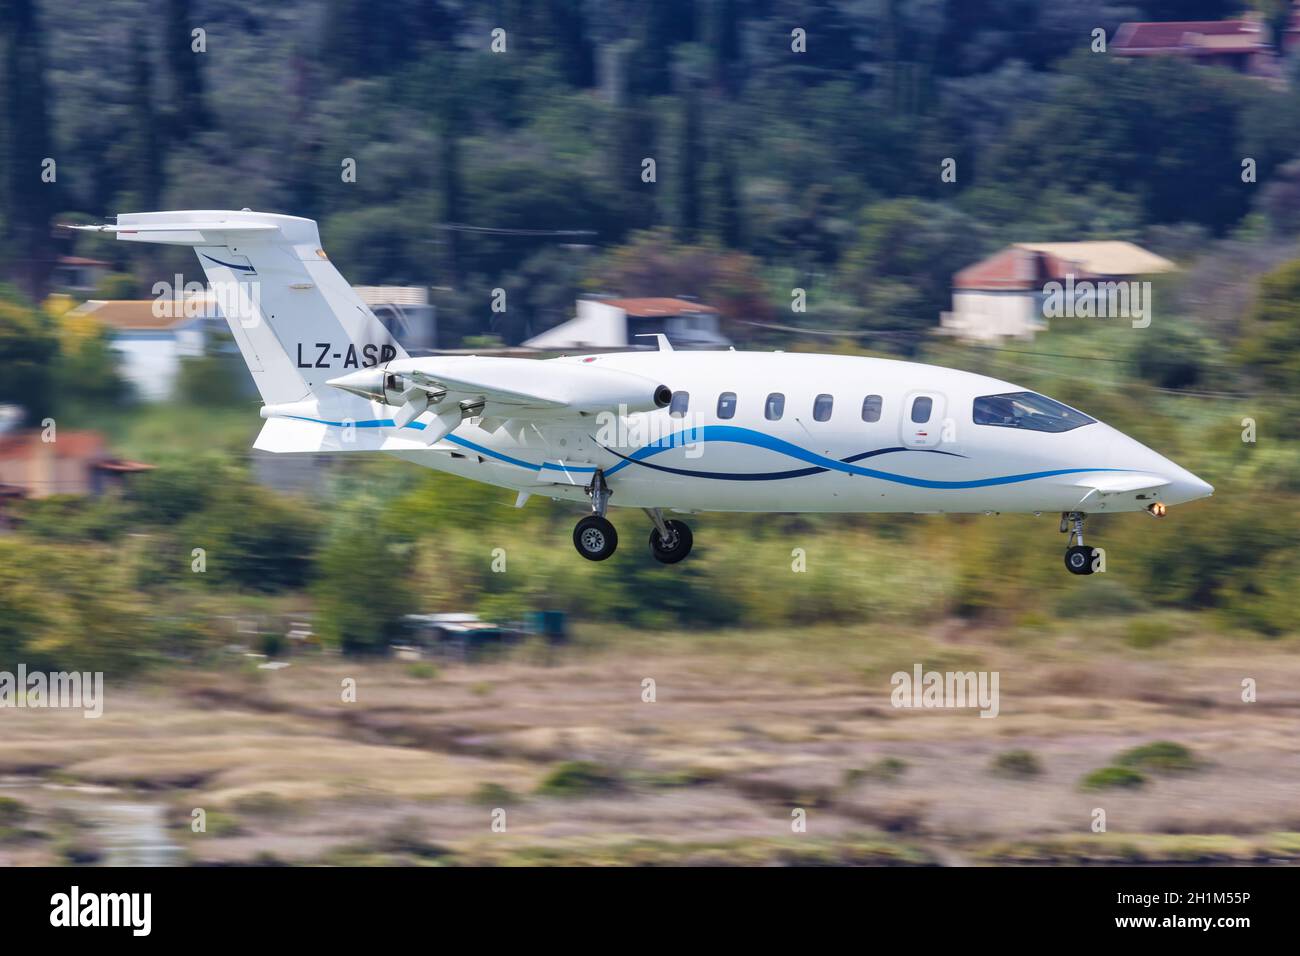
[657, 430]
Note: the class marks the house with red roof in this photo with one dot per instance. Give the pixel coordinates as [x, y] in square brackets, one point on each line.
[38, 462]
[1243, 45]
[1005, 295]
[609, 323]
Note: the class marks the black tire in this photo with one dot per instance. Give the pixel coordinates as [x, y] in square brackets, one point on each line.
[1078, 559]
[680, 547]
[595, 538]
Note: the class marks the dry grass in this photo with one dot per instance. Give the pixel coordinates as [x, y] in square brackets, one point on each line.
[745, 728]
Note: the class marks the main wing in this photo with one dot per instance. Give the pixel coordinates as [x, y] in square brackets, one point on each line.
[440, 392]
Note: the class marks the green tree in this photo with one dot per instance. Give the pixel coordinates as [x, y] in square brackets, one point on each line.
[1163, 129]
[54, 615]
[190, 111]
[27, 199]
[572, 43]
[690, 158]
[900, 267]
[361, 581]
[1270, 339]
[253, 538]
[28, 350]
[140, 152]
[724, 210]
[87, 366]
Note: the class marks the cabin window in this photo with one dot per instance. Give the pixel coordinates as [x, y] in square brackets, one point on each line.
[871, 408]
[774, 407]
[822, 408]
[680, 403]
[921, 408]
[1027, 410]
[727, 405]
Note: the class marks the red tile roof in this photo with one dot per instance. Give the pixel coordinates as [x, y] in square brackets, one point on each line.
[67, 444]
[1190, 36]
[145, 315]
[655, 307]
[1012, 269]
[81, 261]
[1029, 265]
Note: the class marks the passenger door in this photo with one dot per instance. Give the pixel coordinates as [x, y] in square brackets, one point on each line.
[921, 421]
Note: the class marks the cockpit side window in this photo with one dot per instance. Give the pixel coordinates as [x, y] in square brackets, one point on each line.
[1027, 410]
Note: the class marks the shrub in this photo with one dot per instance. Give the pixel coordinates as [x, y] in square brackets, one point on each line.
[885, 769]
[12, 812]
[1016, 763]
[579, 778]
[1108, 778]
[1160, 756]
[1145, 633]
[494, 795]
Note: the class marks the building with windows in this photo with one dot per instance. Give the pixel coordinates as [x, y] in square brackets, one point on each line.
[616, 323]
[1243, 44]
[151, 336]
[1005, 295]
[78, 274]
[39, 462]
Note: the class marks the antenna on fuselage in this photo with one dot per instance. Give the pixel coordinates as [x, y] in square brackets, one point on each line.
[664, 344]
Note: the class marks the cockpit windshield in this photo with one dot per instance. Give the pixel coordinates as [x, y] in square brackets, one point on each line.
[1027, 410]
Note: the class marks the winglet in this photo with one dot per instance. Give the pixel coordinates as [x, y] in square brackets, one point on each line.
[664, 344]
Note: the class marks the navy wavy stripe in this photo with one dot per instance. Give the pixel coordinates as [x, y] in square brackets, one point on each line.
[726, 475]
[229, 265]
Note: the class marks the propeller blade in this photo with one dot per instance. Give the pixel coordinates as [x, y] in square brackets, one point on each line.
[415, 405]
[442, 425]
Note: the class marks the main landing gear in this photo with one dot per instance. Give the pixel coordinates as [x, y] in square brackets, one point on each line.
[1079, 558]
[595, 537]
[670, 541]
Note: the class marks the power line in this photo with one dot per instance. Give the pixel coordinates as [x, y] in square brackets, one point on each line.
[493, 231]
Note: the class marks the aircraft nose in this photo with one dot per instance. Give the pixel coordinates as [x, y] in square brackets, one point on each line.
[1183, 485]
[1187, 487]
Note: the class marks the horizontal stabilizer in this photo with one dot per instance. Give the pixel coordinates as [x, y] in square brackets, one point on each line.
[295, 436]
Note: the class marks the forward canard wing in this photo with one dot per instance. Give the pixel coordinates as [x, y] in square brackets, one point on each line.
[1121, 484]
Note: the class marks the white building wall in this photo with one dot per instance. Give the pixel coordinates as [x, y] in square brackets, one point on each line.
[150, 363]
[984, 316]
[597, 325]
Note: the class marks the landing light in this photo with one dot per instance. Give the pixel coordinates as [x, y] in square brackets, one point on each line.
[1157, 509]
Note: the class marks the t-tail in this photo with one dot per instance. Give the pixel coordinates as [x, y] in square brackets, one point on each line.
[296, 320]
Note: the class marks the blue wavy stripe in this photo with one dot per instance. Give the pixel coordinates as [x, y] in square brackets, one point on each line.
[740, 436]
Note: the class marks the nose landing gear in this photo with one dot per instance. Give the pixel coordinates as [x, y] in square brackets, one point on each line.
[1079, 558]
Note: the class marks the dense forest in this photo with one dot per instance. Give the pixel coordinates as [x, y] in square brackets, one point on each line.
[795, 144]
